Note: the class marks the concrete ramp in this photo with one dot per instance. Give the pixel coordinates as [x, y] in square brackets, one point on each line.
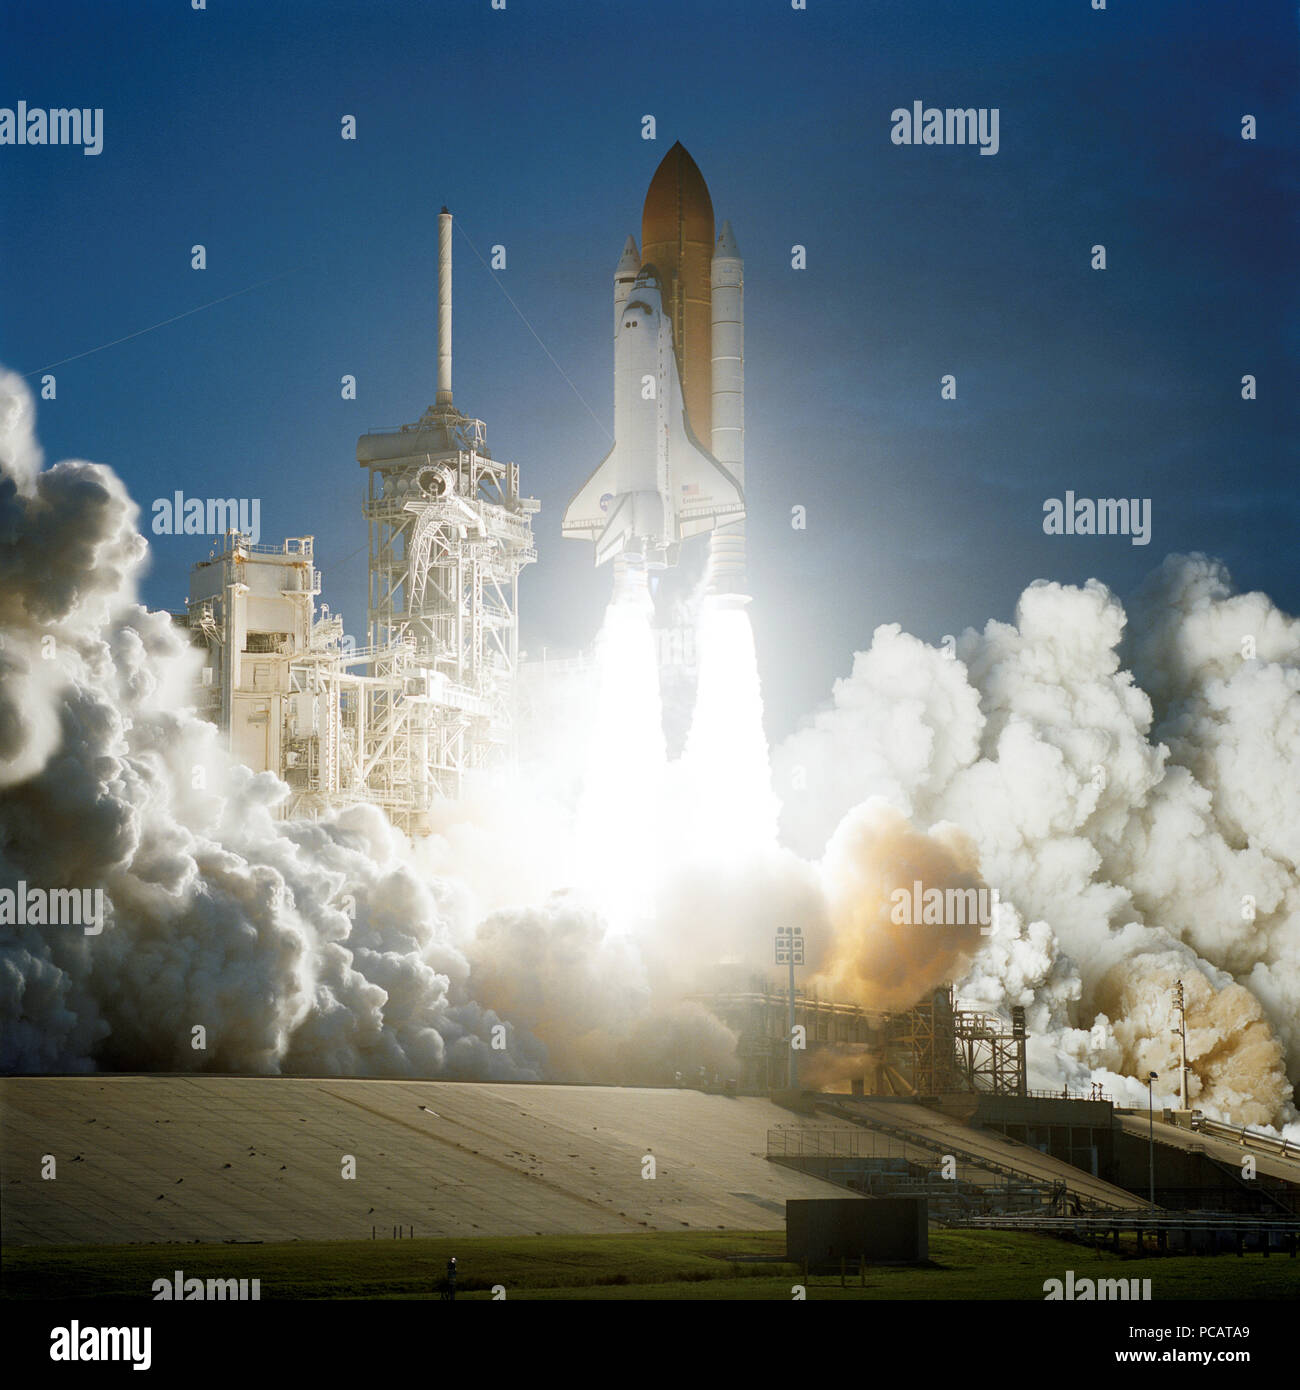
[943, 1134]
[1213, 1145]
[170, 1158]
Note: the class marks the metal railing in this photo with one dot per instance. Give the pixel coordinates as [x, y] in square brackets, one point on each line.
[1140, 1220]
[292, 547]
[942, 1144]
[1248, 1138]
[825, 1143]
[1069, 1095]
[883, 1166]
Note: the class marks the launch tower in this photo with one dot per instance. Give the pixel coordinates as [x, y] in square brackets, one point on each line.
[449, 534]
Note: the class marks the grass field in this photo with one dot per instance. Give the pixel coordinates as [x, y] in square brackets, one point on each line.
[963, 1265]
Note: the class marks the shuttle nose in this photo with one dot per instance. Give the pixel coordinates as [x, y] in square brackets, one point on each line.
[639, 314]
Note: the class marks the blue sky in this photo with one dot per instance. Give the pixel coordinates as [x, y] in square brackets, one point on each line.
[1120, 127]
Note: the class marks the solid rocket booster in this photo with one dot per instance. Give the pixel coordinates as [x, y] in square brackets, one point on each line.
[727, 280]
[660, 484]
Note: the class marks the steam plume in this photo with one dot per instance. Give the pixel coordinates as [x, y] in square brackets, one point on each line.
[1129, 782]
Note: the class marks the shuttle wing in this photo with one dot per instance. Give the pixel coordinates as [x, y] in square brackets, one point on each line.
[586, 515]
[705, 492]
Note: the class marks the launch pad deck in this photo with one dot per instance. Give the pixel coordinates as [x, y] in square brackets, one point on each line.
[186, 1158]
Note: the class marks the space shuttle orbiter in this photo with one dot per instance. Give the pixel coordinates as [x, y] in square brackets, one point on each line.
[678, 380]
[658, 485]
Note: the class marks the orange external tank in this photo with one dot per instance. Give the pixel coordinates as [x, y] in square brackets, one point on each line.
[677, 239]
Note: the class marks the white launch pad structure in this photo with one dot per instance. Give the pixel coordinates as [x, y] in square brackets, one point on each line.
[402, 721]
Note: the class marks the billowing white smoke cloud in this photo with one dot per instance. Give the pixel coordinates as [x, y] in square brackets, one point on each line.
[1136, 843]
[588, 994]
[330, 946]
[293, 947]
[1129, 783]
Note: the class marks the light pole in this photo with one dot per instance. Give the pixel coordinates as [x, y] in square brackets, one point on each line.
[1151, 1140]
[789, 951]
[1181, 1032]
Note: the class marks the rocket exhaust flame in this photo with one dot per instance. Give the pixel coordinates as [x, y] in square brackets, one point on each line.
[620, 815]
[730, 803]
